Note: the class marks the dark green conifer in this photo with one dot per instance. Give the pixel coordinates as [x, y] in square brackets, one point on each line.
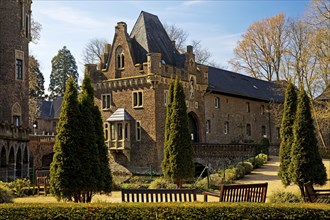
[65, 169]
[290, 106]
[178, 165]
[105, 180]
[88, 149]
[306, 163]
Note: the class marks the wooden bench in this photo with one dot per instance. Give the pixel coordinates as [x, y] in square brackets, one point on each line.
[316, 195]
[240, 193]
[158, 195]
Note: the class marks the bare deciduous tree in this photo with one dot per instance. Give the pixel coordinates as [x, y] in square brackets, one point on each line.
[202, 55]
[92, 53]
[261, 49]
[35, 31]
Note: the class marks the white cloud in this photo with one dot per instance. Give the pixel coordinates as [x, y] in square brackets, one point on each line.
[191, 3]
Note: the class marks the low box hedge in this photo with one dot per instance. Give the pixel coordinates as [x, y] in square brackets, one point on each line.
[148, 211]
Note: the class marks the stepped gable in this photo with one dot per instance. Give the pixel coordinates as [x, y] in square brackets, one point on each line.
[227, 82]
[149, 36]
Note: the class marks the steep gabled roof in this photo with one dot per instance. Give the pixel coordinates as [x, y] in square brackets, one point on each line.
[149, 36]
[46, 109]
[231, 83]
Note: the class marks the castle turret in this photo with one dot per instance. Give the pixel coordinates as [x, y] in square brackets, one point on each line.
[15, 23]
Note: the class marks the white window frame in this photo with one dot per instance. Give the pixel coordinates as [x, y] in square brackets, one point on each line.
[165, 97]
[216, 102]
[137, 99]
[226, 128]
[106, 101]
[208, 126]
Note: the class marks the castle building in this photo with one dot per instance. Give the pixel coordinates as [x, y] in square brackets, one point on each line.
[15, 36]
[132, 86]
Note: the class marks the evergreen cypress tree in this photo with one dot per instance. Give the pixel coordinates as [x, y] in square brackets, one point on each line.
[178, 150]
[290, 106]
[88, 149]
[306, 163]
[166, 161]
[65, 169]
[105, 180]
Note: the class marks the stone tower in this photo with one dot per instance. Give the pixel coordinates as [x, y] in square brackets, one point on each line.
[15, 23]
[15, 35]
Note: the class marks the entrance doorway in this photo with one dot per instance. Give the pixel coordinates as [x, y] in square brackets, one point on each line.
[193, 126]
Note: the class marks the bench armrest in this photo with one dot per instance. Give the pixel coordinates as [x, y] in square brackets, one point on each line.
[205, 194]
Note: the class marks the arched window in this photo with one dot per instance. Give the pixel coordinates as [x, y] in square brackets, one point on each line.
[16, 114]
[120, 57]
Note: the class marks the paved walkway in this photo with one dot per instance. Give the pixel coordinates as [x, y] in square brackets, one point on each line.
[266, 173]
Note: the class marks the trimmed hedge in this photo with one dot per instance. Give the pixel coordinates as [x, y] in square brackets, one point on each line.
[164, 211]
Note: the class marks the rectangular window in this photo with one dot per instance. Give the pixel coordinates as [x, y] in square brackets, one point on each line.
[138, 131]
[262, 109]
[16, 120]
[165, 97]
[120, 131]
[208, 126]
[263, 131]
[137, 99]
[216, 102]
[113, 132]
[19, 69]
[126, 131]
[106, 131]
[278, 134]
[226, 128]
[248, 130]
[106, 101]
[248, 107]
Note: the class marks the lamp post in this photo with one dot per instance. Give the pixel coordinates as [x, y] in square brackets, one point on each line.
[34, 128]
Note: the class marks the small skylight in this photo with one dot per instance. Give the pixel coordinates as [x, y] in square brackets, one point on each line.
[254, 86]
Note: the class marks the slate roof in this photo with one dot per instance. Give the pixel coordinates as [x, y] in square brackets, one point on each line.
[120, 115]
[227, 82]
[46, 110]
[50, 109]
[149, 36]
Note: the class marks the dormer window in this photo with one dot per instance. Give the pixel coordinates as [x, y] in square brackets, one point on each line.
[120, 57]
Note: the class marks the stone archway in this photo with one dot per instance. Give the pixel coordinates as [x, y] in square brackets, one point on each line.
[11, 165]
[3, 164]
[25, 163]
[193, 127]
[19, 165]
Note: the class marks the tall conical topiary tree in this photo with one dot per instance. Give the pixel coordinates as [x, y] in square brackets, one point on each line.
[290, 106]
[89, 153]
[306, 163]
[166, 159]
[105, 179]
[65, 169]
[178, 160]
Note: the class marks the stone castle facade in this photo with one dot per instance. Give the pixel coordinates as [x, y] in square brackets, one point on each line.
[132, 86]
[15, 23]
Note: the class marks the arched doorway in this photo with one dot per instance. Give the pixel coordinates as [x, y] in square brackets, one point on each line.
[193, 127]
[3, 164]
[11, 165]
[19, 163]
[25, 163]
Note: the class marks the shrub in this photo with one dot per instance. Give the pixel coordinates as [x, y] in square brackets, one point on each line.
[5, 194]
[240, 171]
[264, 157]
[20, 187]
[248, 167]
[284, 197]
[214, 182]
[161, 183]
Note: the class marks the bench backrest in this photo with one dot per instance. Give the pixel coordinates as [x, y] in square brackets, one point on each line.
[309, 192]
[243, 192]
[158, 195]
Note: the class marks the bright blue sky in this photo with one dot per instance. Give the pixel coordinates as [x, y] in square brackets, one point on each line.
[218, 24]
